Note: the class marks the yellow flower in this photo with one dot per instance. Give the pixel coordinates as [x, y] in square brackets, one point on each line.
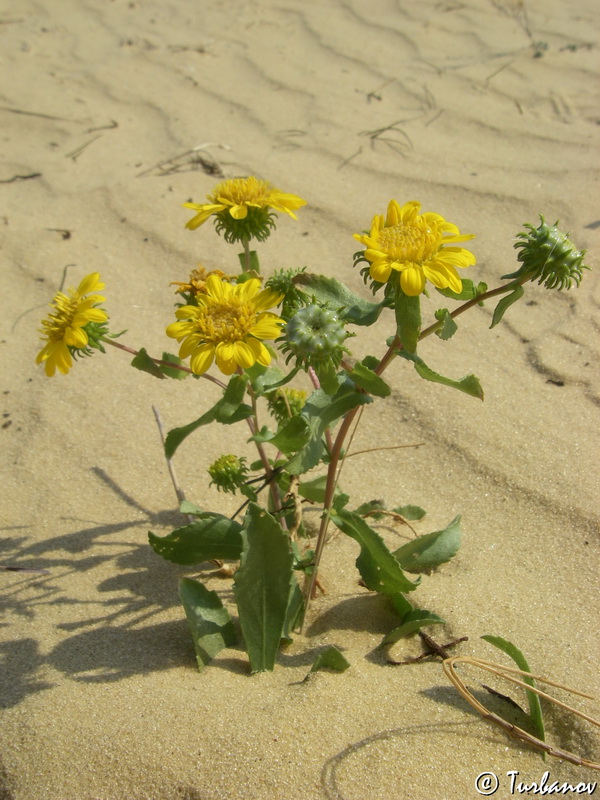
[238, 195]
[416, 245]
[64, 328]
[227, 326]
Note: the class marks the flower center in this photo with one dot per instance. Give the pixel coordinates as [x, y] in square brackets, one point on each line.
[239, 191]
[409, 242]
[225, 322]
[57, 323]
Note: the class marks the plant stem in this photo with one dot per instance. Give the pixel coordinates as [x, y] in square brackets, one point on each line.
[332, 474]
[162, 363]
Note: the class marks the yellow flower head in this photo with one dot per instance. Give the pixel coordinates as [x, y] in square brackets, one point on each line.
[241, 199]
[227, 325]
[65, 328]
[415, 245]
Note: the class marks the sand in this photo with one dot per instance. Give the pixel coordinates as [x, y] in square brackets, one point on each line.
[486, 112]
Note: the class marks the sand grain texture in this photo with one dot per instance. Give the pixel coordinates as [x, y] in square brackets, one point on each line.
[346, 104]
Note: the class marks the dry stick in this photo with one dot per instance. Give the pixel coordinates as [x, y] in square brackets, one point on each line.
[514, 730]
[178, 490]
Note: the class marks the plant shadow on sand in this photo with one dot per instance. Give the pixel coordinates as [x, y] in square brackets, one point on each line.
[128, 586]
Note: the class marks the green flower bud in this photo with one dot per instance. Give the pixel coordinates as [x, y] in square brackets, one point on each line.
[549, 257]
[285, 403]
[228, 473]
[315, 335]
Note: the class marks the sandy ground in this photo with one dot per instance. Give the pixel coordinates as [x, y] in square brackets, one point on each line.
[486, 112]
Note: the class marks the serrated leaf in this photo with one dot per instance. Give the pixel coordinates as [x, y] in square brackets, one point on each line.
[210, 623]
[371, 509]
[294, 434]
[411, 513]
[412, 622]
[379, 570]
[262, 378]
[294, 615]
[330, 658]
[327, 375]
[535, 708]
[402, 606]
[262, 586]
[170, 372]
[469, 290]
[228, 410]
[449, 326]
[408, 320]
[430, 550]
[212, 536]
[253, 267]
[329, 290]
[469, 384]
[506, 303]
[144, 363]
[314, 490]
[369, 381]
[187, 507]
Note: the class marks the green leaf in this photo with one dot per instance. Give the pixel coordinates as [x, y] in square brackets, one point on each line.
[449, 327]
[329, 290]
[178, 374]
[320, 412]
[211, 536]
[314, 490]
[469, 384]
[295, 610]
[294, 434]
[210, 623]
[144, 363]
[228, 410]
[262, 377]
[506, 303]
[372, 509]
[411, 513]
[330, 658]
[402, 606]
[187, 507]
[327, 375]
[412, 622]
[369, 381]
[262, 586]
[408, 320]
[379, 570]
[254, 266]
[535, 708]
[469, 290]
[430, 550]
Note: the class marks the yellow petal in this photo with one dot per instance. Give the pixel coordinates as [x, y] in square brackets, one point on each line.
[238, 212]
[76, 337]
[202, 358]
[381, 271]
[412, 281]
[261, 353]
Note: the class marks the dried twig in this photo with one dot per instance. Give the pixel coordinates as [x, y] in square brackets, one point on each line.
[513, 730]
